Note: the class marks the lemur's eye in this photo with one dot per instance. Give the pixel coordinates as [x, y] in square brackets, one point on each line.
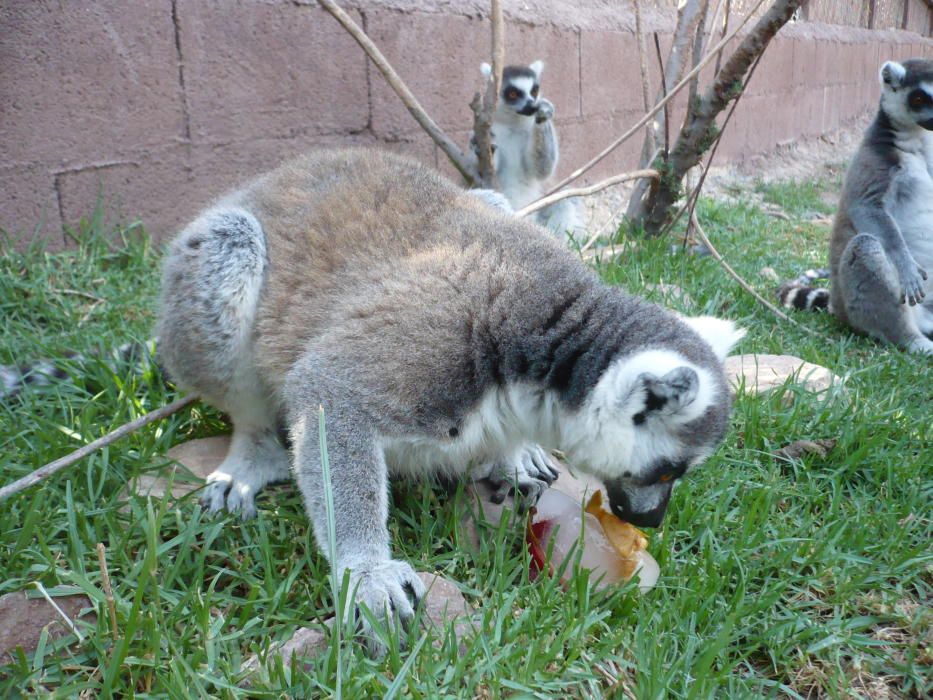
[919, 99]
[534, 91]
[665, 478]
[512, 94]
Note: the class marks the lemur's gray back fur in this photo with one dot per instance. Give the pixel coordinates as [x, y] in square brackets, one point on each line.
[879, 245]
[437, 333]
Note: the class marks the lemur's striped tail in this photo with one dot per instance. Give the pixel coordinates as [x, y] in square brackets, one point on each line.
[798, 294]
[15, 378]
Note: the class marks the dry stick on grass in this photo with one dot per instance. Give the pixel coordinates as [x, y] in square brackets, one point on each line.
[52, 467]
[584, 191]
[108, 590]
[745, 285]
[451, 149]
[694, 223]
[586, 167]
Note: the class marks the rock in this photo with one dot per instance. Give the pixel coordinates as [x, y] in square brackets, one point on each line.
[443, 604]
[799, 448]
[770, 274]
[22, 620]
[306, 643]
[199, 457]
[762, 373]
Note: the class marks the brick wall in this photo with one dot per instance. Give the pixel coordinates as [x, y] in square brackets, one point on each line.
[161, 105]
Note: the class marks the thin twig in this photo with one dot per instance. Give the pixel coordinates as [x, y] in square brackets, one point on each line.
[725, 28]
[484, 103]
[645, 77]
[584, 191]
[108, 590]
[51, 601]
[451, 149]
[745, 285]
[52, 467]
[79, 293]
[586, 167]
[667, 120]
[498, 47]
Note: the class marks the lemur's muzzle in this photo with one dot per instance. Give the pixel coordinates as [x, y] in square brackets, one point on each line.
[529, 109]
[643, 506]
[927, 124]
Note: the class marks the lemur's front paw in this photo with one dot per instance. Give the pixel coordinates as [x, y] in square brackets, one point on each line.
[387, 588]
[912, 278]
[233, 491]
[524, 475]
[545, 111]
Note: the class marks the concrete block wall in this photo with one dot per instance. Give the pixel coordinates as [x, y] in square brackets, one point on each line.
[162, 105]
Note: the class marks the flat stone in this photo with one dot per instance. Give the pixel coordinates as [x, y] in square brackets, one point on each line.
[761, 373]
[196, 458]
[22, 620]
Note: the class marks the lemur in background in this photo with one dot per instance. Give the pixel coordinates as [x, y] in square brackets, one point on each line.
[882, 240]
[525, 151]
[438, 334]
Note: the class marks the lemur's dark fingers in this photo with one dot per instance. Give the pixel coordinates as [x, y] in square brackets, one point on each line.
[502, 490]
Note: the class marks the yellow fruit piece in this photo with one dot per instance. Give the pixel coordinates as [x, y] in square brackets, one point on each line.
[624, 537]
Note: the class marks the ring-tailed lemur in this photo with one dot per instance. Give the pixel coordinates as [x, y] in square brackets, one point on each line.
[882, 240]
[525, 151]
[45, 372]
[436, 333]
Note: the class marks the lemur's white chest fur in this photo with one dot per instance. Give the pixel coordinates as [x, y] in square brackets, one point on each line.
[505, 419]
[516, 180]
[914, 197]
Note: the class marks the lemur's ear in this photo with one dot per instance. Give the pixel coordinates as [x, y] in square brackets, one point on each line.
[669, 394]
[892, 74]
[721, 334]
[536, 68]
[485, 69]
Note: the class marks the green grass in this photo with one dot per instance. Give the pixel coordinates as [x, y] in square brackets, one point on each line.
[779, 579]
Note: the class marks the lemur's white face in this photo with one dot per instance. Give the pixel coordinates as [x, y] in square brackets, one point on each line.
[906, 97]
[521, 95]
[521, 86]
[651, 417]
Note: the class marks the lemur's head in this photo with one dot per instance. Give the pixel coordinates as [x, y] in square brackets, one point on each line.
[520, 87]
[654, 415]
[907, 92]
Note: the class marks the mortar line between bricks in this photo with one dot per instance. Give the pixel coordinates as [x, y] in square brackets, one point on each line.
[179, 57]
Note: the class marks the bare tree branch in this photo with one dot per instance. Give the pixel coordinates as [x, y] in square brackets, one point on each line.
[586, 167]
[700, 131]
[645, 78]
[584, 191]
[451, 149]
[52, 467]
